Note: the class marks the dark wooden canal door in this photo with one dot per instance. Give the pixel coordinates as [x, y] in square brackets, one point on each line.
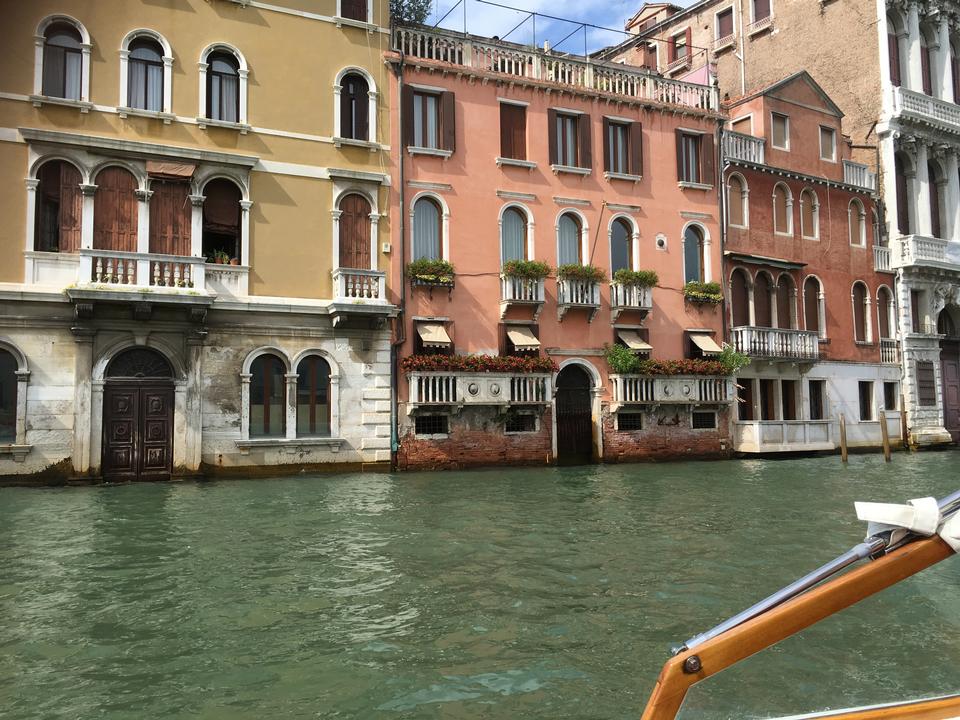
[138, 417]
[950, 366]
[574, 416]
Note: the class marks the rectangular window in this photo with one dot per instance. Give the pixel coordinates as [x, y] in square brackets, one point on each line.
[650, 56]
[768, 402]
[703, 420]
[828, 143]
[689, 157]
[354, 9]
[818, 410]
[761, 9]
[521, 423]
[566, 148]
[866, 400]
[915, 311]
[431, 424]
[426, 120]
[788, 399]
[891, 395]
[513, 131]
[629, 422]
[742, 125]
[680, 49]
[725, 23]
[618, 146]
[926, 384]
[745, 399]
[780, 131]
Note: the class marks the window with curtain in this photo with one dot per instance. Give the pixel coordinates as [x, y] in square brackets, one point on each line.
[693, 254]
[811, 304]
[737, 201]
[780, 131]
[781, 210]
[860, 312]
[268, 414]
[354, 107]
[567, 135]
[858, 223]
[568, 240]
[809, 215]
[426, 120]
[8, 397]
[223, 87]
[62, 61]
[621, 246]
[513, 235]
[313, 397]
[221, 219]
[427, 230]
[59, 208]
[145, 75]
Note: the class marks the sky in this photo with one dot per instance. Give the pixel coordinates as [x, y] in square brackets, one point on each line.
[484, 19]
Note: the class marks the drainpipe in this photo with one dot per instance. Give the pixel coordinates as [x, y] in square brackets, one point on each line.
[721, 184]
[401, 317]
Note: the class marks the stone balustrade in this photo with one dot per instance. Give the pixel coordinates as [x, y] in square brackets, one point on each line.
[141, 270]
[859, 175]
[919, 250]
[925, 109]
[573, 294]
[738, 146]
[625, 298]
[359, 286]
[776, 343]
[464, 388]
[890, 351]
[670, 390]
[881, 259]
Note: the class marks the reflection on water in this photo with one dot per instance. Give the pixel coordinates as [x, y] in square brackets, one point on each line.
[550, 593]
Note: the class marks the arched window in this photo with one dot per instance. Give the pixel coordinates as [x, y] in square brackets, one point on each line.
[937, 185]
[621, 245]
[427, 230]
[59, 207]
[740, 298]
[813, 306]
[926, 70]
[693, 255]
[62, 61]
[223, 87]
[809, 214]
[861, 314]
[885, 313]
[221, 219]
[9, 388]
[763, 300]
[354, 232]
[955, 71]
[145, 75]
[268, 408]
[786, 316]
[893, 45]
[115, 210]
[313, 397]
[354, 107]
[857, 223]
[513, 235]
[737, 201]
[782, 210]
[904, 221]
[569, 247]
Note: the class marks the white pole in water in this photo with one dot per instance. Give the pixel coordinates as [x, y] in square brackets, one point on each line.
[843, 438]
[886, 436]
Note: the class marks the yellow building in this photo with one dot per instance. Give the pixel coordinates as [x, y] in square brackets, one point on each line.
[195, 218]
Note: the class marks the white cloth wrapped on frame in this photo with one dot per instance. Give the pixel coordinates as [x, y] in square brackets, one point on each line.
[920, 515]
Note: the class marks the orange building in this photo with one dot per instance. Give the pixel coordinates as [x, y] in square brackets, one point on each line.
[507, 156]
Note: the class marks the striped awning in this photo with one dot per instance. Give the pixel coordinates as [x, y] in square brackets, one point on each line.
[523, 338]
[707, 344]
[632, 339]
[433, 335]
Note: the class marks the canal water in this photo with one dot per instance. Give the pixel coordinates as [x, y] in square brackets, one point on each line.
[543, 593]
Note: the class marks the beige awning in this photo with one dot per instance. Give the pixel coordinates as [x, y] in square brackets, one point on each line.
[433, 335]
[170, 170]
[632, 339]
[523, 338]
[706, 344]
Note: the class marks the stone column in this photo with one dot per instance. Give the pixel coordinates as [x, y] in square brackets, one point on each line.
[914, 79]
[952, 231]
[944, 78]
[888, 167]
[82, 396]
[193, 403]
[143, 236]
[922, 225]
[86, 233]
[245, 206]
[245, 405]
[29, 241]
[291, 379]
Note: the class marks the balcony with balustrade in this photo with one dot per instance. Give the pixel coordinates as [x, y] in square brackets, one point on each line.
[521, 292]
[433, 47]
[890, 351]
[926, 110]
[859, 175]
[921, 250]
[575, 294]
[360, 294]
[745, 148]
[882, 259]
[777, 343]
[629, 298]
[638, 390]
[455, 390]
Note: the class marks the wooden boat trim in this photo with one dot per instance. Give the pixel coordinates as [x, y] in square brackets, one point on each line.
[939, 708]
[682, 671]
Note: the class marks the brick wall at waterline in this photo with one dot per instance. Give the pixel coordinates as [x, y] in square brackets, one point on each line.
[476, 437]
[664, 434]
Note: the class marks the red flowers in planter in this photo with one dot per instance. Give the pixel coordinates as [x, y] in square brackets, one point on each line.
[681, 367]
[478, 364]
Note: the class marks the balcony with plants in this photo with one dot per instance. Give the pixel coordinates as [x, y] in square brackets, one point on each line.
[632, 291]
[522, 285]
[578, 288]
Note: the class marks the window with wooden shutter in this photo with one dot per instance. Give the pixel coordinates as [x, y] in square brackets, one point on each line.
[926, 384]
[925, 69]
[860, 312]
[903, 203]
[616, 146]
[354, 233]
[736, 214]
[740, 298]
[408, 121]
[935, 189]
[780, 131]
[761, 10]
[688, 157]
[893, 46]
[708, 161]
[567, 134]
[354, 107]
[915, 300]
[170, 214]
[781, 210]
[584, 142]
[513, 131]
[115, 210]
[58, 209]
[354, 9]
[884, 312]
[809, 219]
[811, 304]
[725, 24]
[448, 121]
[552, 123]
[636, 149]
[650, 56]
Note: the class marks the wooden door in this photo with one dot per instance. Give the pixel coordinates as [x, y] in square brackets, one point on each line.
[574, 417]
[137, 431]
[355, 232]
[950, 366]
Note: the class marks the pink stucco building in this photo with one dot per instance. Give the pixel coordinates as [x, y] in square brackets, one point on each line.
[505, 153]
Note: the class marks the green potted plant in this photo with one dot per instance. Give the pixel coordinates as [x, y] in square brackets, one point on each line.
[426, 271]
[703, 293]
[636, 278]
[526, 269]
[221, 258]
[621, 359]
[575, 271]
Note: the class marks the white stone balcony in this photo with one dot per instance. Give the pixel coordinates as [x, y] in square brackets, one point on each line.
[881, 259]
[459, 389]
[629, 298]
[670, 390]
[926, 110]
[859, 175]
[763, 436]
[524, 64]
[516, 292]
[360, 294]
[920, 250]
[890, 351]
[776, 343]
[578, 295]
[738, 146]
[227, 280]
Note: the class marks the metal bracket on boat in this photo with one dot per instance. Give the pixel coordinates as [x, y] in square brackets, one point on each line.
[692, 665]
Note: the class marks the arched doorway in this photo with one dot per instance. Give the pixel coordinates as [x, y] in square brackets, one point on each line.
[573, 406]
[138, 417]
[950, 372]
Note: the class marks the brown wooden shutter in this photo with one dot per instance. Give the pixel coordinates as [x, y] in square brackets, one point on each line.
[363, 112]
[506, 131]
[355, 232]
[925, 70]
[761, 9]
[354, 9]
[636, 149]
[894, 49]
[681, 176]
[708, 162]
[671, 50]
[71, 208]
[650, 57]
[689, 36]
[406, 105]
[606, 145]
[115, 211]
[448, 121]
[512, 131]
[170, 216]
[725, 21]
[552, 134]
[584, 151]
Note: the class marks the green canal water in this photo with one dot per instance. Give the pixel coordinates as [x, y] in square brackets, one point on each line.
[544, 593]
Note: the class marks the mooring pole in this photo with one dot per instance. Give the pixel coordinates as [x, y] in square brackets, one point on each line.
[843, 438]
[886, 436]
